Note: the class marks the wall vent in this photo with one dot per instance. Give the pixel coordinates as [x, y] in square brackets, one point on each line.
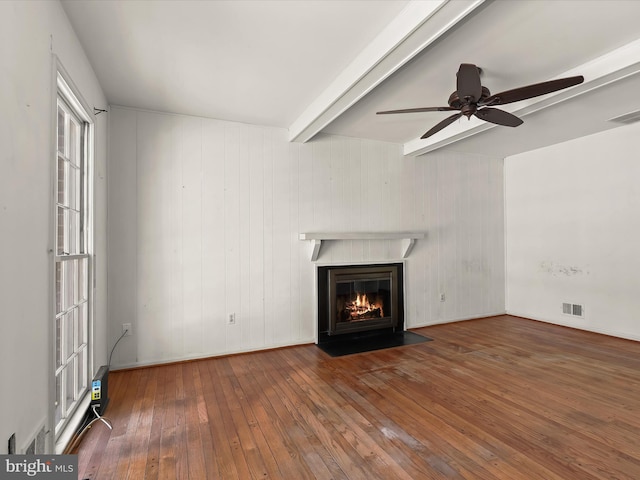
[627, 118]
[573, 309]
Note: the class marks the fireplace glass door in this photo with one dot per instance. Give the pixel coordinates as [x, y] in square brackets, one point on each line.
[362, 298]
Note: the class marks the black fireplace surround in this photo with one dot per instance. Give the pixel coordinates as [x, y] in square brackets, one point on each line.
[359, 300]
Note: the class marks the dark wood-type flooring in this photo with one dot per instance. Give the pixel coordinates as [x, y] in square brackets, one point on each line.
[496, 398]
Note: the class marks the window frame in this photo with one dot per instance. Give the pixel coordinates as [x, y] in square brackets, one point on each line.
[67, 95]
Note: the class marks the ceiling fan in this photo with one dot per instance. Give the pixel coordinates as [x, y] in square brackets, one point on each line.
[471, 98]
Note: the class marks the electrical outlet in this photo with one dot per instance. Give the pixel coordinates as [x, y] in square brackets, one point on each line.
[232, 319]
[442, 297]
[126, 327]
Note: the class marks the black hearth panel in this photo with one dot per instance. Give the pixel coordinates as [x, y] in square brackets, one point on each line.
[370, 341]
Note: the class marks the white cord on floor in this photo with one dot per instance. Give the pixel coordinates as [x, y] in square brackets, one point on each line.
[103, 420]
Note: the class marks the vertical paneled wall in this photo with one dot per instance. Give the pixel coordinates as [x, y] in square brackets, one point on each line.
[459, 200]
[204, 217]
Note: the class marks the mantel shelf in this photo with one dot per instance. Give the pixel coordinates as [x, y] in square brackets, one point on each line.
[408, 239]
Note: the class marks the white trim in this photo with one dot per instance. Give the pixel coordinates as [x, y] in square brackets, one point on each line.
[604, 70]
[408, 239]
[505, 230]
[419, 25]
[79, 256]
[602, 331]
[462, 319]
[360, 235]
[71, 95]
[63, 86]
[189, 358]
[53, 151]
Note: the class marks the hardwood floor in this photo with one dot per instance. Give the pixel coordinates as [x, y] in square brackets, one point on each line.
[496, 398]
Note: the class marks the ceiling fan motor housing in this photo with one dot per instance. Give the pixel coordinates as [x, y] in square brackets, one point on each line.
[467, 108]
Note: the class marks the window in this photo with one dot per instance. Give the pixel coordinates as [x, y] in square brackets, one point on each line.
[72, 254]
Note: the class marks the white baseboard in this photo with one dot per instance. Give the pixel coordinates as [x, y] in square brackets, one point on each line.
[603, 331]
[188, 358]
[461, 319]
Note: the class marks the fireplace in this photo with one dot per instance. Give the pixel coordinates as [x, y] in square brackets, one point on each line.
[358, 299]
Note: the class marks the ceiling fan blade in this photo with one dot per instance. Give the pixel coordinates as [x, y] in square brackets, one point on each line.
[468, 83]
[417, 110]
[447, 121]
[531, 91]
[499, 117]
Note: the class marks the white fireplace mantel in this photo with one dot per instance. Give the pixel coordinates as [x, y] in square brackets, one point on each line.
[408, 239]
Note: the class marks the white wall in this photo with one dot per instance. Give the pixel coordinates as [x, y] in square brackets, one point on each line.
[572, 227]
[204, 217]
[29, 33]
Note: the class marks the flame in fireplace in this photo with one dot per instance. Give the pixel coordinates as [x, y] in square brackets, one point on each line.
[361, 308]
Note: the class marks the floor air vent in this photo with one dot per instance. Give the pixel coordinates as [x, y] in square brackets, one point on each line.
[573, 309]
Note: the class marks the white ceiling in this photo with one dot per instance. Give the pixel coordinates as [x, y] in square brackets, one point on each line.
[252, 61]
[328, 66]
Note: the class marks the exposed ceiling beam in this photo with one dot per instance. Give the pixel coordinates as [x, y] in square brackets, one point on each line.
[604, 70]
[419, 25]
